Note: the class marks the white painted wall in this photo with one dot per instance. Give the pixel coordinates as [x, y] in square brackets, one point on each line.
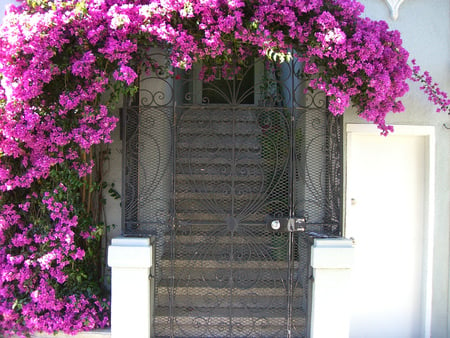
[3, 4]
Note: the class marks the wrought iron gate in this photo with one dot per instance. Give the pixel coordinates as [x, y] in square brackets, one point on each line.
[207, 167]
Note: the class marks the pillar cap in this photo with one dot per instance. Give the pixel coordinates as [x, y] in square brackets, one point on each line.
[131, 241]
[332, 253]
[130, 252]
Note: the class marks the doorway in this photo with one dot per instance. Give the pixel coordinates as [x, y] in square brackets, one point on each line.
[389, 196]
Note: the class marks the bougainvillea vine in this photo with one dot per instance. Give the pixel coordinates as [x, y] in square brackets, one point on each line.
[62, 66]
[431, 89]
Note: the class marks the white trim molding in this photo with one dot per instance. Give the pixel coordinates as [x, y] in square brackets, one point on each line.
[394, 6]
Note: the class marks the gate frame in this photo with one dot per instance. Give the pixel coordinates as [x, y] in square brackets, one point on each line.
[291, 107]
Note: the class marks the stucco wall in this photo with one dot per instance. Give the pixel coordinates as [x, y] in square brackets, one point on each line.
[113, 209]
[2, 8]
[425, 30]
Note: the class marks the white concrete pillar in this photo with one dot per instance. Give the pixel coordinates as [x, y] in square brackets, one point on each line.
[131, 261]
[331, 260]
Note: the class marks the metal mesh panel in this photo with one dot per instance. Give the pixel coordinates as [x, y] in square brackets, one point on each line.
[148, 169]
[318, 177]
[204, 174]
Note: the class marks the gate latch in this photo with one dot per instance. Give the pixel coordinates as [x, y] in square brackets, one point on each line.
[288, 224]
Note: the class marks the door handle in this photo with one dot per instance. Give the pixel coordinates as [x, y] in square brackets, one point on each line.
[287, 224]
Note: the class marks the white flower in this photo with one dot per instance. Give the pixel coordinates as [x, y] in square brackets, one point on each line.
[119, 20]
[336, 35]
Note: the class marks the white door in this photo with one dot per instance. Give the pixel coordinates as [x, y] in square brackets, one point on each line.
[388, 189]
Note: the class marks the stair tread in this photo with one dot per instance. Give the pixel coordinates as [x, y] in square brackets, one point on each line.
[244, 129]
[224, 313]
[222, 215]
[214, 264]
[202, 291]
[225, 238]
[201, 195]
[218, 177]
[217, 160]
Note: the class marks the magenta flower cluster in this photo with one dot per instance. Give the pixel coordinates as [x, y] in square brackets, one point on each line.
[61, 60]
[35, 259]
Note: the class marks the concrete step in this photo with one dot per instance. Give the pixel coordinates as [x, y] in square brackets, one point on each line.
[272, 316]
[216, 264]
[187, 216]
[218, 176]
[214, 193]
[260, 237]
[263, 287]
[229, 153]
[256, 302]
[206, 114]
[213, 228]
[207, 322]
[193, 129]
[196, 298]
[226, 257]
[269, 275]
[197, 160]
[237, 298]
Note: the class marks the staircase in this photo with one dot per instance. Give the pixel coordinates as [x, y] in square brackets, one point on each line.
[222, 272]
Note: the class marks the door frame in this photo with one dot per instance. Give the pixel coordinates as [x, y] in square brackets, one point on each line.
[428, 132]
